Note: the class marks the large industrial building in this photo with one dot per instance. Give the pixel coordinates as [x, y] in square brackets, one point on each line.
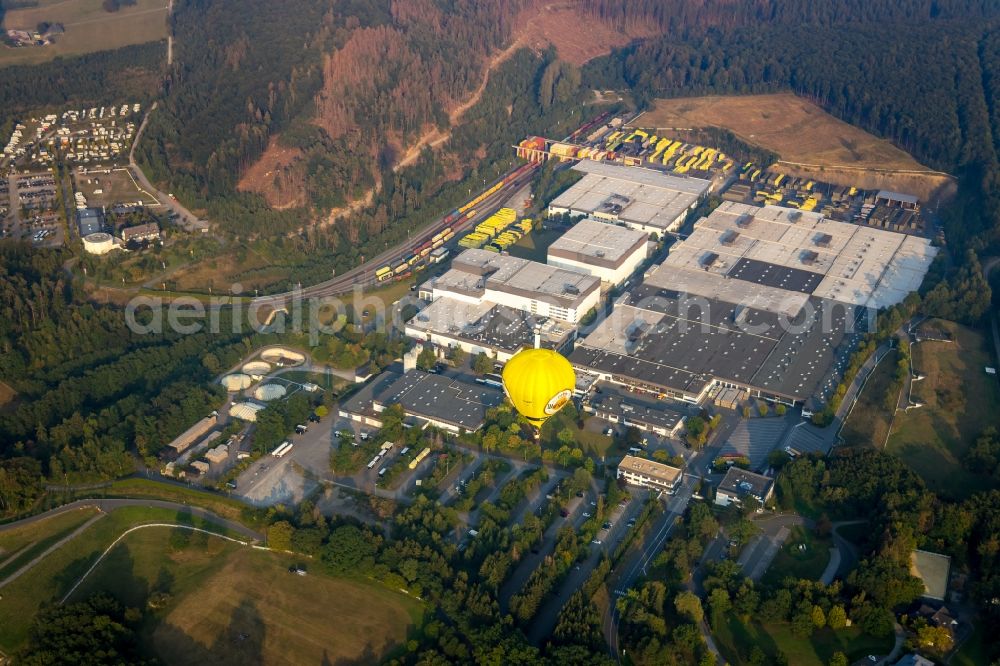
[500, 304]
[478, 276]
[762, 299]
[497, 330]
[451, 403]
[604, 250]
[656, 416]
[642, 199]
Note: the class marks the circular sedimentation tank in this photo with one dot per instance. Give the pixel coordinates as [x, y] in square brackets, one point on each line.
[236, 382]
[258, 368]
[269, 392]
[283, 356]
[245, 411]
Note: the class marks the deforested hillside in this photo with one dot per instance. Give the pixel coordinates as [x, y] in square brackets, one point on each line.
[347, 84]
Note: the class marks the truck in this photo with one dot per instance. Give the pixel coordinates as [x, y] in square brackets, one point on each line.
[284, 448]
[420, 456]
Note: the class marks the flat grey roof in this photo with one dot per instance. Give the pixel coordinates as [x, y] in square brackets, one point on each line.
[650, 468]
[896, 196]
[631, 194]
[89, 221]
[453, 400]
[933, 569]
[741, 482]
[853, 263]
[646, 412]
[489, 325]
[474, 272]
[664, 340]
[641, 176]
[598, 243]
[361, 402]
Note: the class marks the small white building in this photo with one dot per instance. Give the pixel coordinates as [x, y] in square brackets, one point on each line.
[98, 243]
[604, 250]
[740, 484]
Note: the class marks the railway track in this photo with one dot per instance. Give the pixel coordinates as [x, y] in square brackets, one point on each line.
[364, 275]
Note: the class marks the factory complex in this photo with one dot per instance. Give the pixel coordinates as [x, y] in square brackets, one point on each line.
[646, 200]
[768, 300]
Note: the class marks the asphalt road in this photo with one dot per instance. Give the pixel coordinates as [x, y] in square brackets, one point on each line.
[534, 558]
[625, 575]
[548, 615]
[185, 218]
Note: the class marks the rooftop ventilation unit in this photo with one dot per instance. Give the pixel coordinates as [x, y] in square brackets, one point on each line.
[729, 238]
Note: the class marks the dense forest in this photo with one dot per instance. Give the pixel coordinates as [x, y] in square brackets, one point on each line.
[132, 73]
[93, 394]
[684, 19]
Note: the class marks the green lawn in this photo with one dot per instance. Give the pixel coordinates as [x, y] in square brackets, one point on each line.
[592, 443]
[226, 507]
[973, 651]
[791, 561]
[960, 401]
[21, 545]
[53, 577]
[735, 639]
[869, 420]
[88, 28]
[216, 594]
[16, 538]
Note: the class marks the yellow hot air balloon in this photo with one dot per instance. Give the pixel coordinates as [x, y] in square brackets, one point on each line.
[539, 382]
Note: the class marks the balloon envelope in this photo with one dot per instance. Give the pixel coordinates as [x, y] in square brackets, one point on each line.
[539, 382]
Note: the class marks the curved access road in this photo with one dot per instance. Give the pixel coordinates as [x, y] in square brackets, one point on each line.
[106, 505]
[139, 527]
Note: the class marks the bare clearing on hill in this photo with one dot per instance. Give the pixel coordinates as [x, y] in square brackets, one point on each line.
[809, 141]
[7, 395]
[576, 36]
[269, 174]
